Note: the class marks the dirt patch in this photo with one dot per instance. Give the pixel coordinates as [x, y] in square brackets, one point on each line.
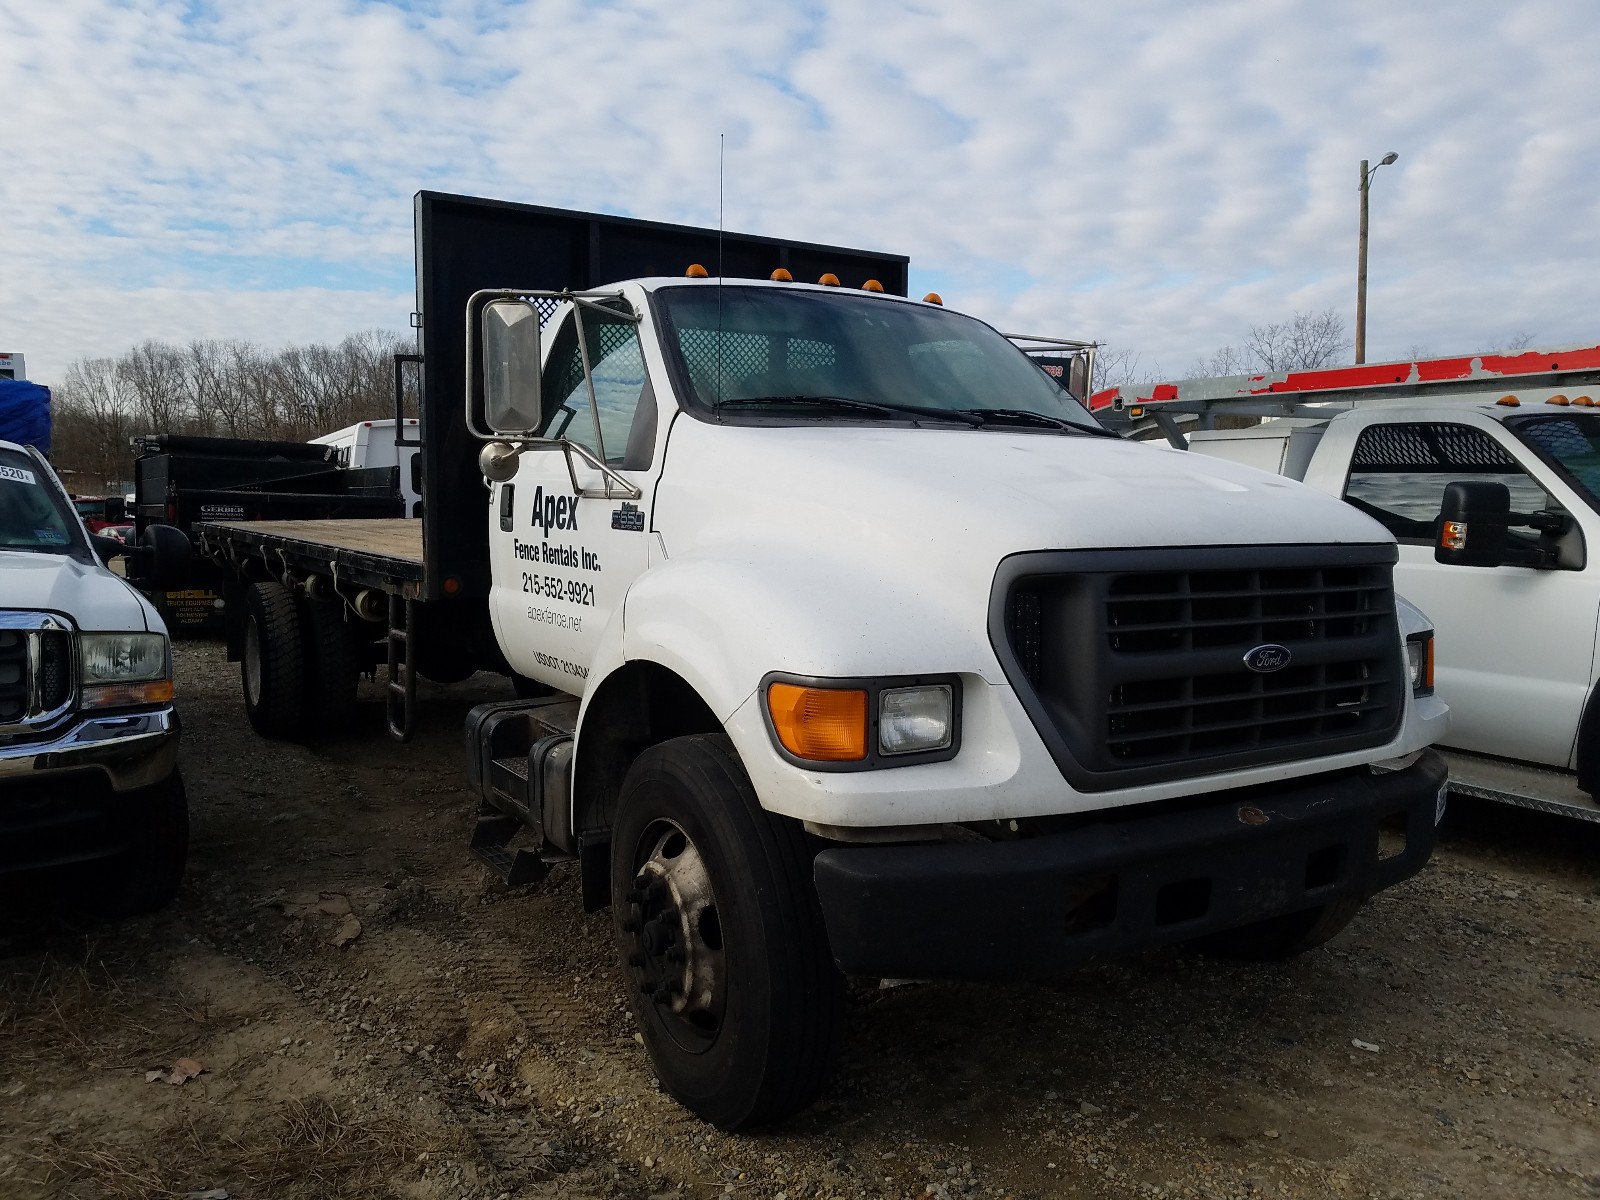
[376, 1017]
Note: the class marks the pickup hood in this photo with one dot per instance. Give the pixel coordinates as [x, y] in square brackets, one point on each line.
[91, 596]
[978, 494]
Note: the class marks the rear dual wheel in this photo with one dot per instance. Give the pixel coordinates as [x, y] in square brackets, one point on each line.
[299, 667]
[722, 940]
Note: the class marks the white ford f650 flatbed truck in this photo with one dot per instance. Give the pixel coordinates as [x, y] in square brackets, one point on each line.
[1503, 450]
[91, 801]
[843, 649]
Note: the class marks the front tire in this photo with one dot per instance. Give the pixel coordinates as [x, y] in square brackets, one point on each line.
[272, 666]
[723, 946]
[146, 876]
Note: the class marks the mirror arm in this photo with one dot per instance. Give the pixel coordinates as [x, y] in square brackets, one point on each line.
[629, 490]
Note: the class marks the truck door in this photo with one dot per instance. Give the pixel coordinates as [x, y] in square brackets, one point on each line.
[562, 560]
[1514, 645]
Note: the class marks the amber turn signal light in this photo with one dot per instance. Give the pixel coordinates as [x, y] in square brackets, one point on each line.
[1453, 535]
[122, 695]
[821, 724]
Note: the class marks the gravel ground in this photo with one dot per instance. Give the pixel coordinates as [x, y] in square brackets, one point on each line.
[377, 1017]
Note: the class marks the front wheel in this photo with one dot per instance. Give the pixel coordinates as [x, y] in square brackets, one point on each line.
[145, 877]
[723, 945]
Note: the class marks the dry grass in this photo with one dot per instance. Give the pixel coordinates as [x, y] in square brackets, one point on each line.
[90, 1011]
[305, 1150]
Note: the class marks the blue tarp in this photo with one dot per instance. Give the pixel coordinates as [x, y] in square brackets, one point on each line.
[25, 413]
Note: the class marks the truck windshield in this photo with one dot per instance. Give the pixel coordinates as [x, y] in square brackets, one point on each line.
[32, 515]
[1570, 443]
[754, 352]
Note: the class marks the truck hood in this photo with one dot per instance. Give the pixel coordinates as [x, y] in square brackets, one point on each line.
[91, 596]
[980, 494]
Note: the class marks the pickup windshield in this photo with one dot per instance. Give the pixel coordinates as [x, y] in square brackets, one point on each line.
[759, 353]
[32, 515]
[1570, 443]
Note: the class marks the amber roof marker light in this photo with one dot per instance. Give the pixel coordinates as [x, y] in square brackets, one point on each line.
[829, 279]
[696, 271]
[781, 275]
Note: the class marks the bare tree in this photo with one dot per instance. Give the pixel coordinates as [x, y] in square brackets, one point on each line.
[1121, 367]
[1303, 342]
[230, 387]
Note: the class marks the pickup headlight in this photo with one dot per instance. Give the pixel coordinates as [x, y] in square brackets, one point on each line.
[863, 724]
[122, 669]
[1419, 663]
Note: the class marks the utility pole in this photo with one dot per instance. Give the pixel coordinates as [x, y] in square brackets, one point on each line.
[1361, 261]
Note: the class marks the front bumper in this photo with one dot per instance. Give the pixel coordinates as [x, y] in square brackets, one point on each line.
[132, 750]
[1044, 905]
[64, 801]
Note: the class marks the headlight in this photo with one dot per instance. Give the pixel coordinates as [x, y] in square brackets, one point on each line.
[915, 719]
[864, 724]
[1419, 663]
[120, 669]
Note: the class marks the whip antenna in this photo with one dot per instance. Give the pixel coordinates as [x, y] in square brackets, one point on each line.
[722, 147]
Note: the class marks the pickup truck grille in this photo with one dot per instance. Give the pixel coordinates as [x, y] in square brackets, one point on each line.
[1133, 663]
[35, 676]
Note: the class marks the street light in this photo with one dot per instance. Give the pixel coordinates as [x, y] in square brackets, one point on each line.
[1361, 267]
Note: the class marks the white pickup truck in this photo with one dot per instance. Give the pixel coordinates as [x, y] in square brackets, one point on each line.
[1516, 647]
[855, 655]
[91, 800]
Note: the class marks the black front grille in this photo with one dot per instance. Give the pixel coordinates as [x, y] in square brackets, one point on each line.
[14, 679]
[1133, 664]
[47, 652]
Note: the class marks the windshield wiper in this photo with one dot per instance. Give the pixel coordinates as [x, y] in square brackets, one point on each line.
[881, 407]
[1026, 416]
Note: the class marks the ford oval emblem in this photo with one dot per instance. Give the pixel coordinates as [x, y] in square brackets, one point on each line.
[1265, 659]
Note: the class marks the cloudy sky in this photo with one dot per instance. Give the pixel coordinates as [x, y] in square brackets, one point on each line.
[1156, 175]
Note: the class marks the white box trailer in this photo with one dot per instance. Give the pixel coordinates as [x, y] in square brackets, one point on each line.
[375, 444]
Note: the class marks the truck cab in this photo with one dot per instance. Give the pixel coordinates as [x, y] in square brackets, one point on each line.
[1520, 670]
[1407, 443]
[89, 781]
[858, 620]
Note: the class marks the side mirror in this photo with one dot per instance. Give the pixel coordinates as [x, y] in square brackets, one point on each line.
[1472, 525]
[164, 555]
[511, 366]
[106, 548]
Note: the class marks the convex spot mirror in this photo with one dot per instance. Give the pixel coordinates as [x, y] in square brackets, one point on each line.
[1472, 524]
[511, 366]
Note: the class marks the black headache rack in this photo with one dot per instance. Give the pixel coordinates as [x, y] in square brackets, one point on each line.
[466, 245]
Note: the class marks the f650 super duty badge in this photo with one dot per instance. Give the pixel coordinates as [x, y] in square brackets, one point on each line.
[628, 517]
[554, 512]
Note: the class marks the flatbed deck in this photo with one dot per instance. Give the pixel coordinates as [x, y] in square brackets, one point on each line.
[384, 553]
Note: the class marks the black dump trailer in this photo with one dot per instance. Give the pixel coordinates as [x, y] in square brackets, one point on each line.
[313, 602]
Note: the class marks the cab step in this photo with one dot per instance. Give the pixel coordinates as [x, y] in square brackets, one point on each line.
[490, 846]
